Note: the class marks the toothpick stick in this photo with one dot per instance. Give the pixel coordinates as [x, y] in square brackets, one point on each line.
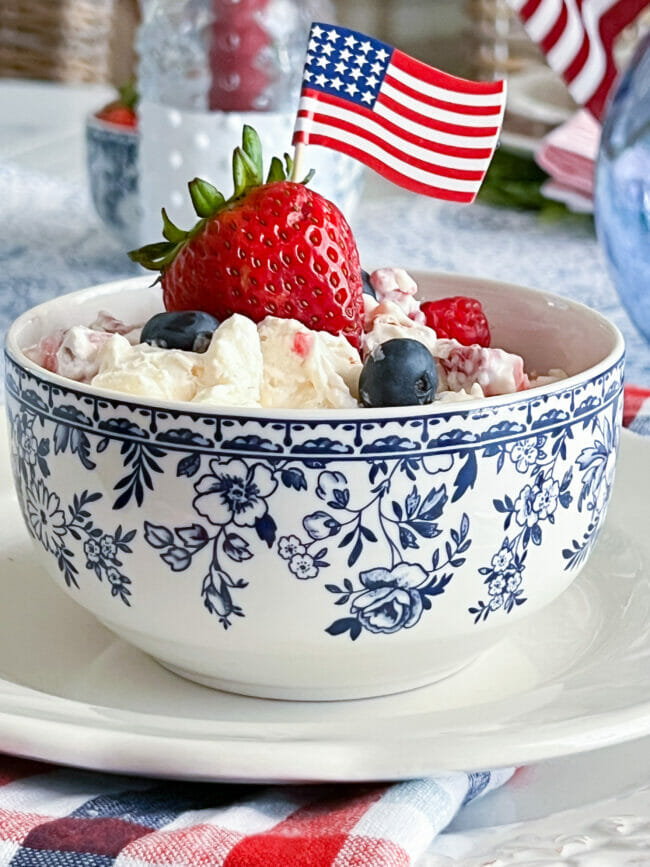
[298, 162]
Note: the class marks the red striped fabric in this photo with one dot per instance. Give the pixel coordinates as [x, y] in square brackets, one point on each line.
[577, 37]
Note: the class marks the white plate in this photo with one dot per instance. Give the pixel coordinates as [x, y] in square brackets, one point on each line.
[541, 96]
[571, 678]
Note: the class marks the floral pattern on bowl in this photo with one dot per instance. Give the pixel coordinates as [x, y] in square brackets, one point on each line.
[327, 554]
[381, 515]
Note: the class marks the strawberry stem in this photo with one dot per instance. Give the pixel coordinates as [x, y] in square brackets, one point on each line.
[170, 231]
[276, 171]
[207, 200]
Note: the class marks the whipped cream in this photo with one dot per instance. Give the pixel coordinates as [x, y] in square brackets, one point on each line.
[397, 285]
[229, 372]
[388, 321]
[494, 370]
[304, 368]
[74, 353]
[280, 363]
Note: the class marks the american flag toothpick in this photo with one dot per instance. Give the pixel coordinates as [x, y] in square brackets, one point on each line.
[420, 128]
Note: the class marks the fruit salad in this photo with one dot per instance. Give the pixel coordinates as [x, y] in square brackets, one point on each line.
[267, 305]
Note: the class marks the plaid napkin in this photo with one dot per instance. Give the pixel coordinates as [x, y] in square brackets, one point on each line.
[52, 816]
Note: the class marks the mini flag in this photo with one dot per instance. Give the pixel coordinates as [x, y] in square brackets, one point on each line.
[577, 37]
[421, 128]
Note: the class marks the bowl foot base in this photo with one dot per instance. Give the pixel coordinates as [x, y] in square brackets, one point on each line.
[333, 693]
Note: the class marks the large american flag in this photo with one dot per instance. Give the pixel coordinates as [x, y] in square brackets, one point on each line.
[419, 127]
[577, 37]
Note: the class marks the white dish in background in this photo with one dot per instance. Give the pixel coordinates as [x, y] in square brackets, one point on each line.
[541, 96]
[519, 143]
[72, 693]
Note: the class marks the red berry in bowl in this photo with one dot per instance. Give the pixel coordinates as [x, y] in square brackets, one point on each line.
[458, 318]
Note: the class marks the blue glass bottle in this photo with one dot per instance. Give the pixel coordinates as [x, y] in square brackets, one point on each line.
[622, 188]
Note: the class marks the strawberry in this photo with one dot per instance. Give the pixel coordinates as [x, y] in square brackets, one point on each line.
[121, 111]
[275, 248]
[459, 318]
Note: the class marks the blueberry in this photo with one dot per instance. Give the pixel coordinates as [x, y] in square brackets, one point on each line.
[367, 285]
[183, 329]
[399, 372]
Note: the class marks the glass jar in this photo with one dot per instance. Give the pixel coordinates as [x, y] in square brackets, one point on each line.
[622, 188]
[206, 68]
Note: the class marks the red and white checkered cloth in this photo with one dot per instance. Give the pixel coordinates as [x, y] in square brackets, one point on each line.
[58, 817]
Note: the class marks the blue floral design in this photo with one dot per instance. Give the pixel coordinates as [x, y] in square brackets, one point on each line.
[234, 493]
[597, 464]
[536, 503]
[54, 525]
[392, 599]
[389, 598]
[395, 542]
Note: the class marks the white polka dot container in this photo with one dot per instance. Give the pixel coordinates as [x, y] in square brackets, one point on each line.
[328, 554]
[128, 168]
[177, 145]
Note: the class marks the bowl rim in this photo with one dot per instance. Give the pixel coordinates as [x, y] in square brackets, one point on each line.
[344, 415]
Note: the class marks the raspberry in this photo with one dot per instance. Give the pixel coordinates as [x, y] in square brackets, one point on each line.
[458, 318]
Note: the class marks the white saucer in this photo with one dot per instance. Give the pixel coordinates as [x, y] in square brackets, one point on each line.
[571, 678]
[540, 95]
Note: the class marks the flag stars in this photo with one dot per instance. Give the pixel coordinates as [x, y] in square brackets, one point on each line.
[345, 64]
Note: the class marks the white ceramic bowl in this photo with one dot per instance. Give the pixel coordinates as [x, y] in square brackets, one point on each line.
[328, 554]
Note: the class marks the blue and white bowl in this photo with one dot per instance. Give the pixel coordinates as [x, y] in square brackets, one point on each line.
[112, 167]
[322, 554]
